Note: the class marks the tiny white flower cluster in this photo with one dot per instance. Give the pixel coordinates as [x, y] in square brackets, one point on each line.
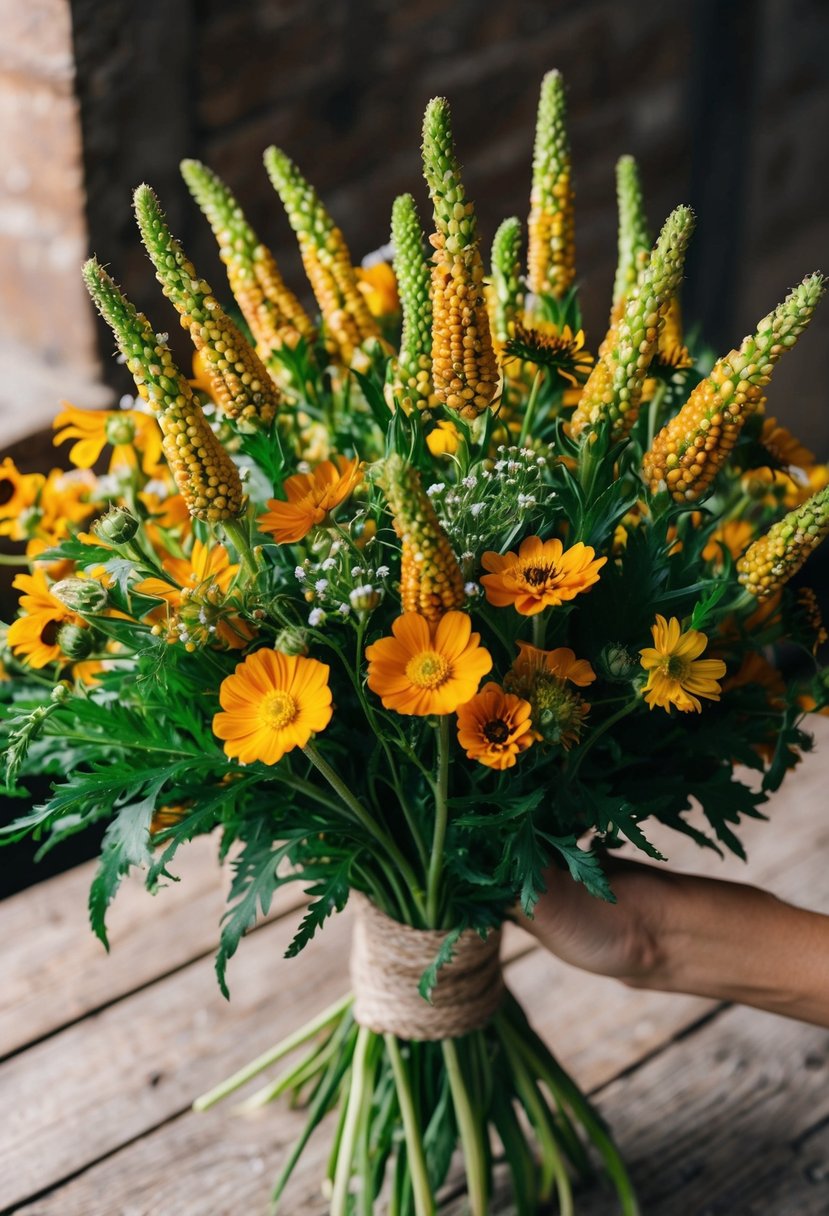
[481, 511]
[336, 587]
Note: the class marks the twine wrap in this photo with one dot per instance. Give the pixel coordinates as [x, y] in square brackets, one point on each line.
[387, 962]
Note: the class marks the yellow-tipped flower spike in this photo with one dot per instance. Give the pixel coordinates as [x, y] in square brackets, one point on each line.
[464, 367]
[772, 560]
[551, 259]
[345, 314]
[204, 472]
[634, 244]
[691, 449]
[240, 381]
[614, 388]
[507, 292]
[413, 371]
[431, 581]
[274, 314]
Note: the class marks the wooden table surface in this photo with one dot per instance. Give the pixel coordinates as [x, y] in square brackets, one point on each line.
[720, 1111]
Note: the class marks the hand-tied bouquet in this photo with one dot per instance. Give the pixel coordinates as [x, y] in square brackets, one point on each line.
[414, 615]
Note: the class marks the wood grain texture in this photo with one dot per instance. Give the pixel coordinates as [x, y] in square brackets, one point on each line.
[108, 1098]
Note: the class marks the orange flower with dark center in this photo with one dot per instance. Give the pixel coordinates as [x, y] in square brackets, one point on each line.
[18, 494]
[495, 727]
[427, 667]
[311, 497]
[540, 574]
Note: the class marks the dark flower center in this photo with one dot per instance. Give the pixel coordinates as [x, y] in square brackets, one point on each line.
[49, 633]
[496, 731]
[536, 575]
[6, 490]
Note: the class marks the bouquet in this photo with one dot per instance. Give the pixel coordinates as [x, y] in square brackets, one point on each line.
[414, 603]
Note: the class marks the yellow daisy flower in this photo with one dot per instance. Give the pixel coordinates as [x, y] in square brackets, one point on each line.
[271, 704]
[131, 433]
[540, 574]
[494, 727]
[311, 496]
[195, 611]
[444, 438]
[18, 494]
[33, 636]
[427, 668]
[675, 671]
[378, 283]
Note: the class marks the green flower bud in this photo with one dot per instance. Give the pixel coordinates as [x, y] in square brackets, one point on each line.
[365, 599]
[118, 526]
[120, 430]
[78, 641]
[292, 640]
[84, 595]
[617, 663]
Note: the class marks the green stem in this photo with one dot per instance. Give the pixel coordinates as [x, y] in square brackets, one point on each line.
[470, 1132]
[597, 734]
[12, 559]
[654, 407]
[441, 819]
[237, 534]
[424, 1200]
[359, 1081]
[289, 1044]
[529, 412]
[539, 629]
[364, 818]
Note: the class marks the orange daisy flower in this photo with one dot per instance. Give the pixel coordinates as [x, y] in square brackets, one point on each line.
[675, 670]
[33, 636]
[311, 496]
[734, 537]
[540, 574]
[494, 727]
[272, 703]
[427, 668]
[131, 433]
[561, 662]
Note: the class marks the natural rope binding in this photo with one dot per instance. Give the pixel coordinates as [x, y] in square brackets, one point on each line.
[387, 961]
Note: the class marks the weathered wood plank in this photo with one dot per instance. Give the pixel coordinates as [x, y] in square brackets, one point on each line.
[55, 971]
[579, 1014]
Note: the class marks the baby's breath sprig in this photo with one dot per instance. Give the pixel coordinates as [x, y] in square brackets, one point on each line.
[271, 309]
[494, 502]
[239, 378]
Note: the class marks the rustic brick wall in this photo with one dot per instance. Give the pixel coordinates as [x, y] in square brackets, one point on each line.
[724, 105]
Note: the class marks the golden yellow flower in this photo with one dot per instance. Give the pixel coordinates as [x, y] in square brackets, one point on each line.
[494, 727]
[675, 670]
[33, 636]
[427, 668]
[378, 283]
[540, 574]
[18, 494]
[131, 433]
[194, 597]
[311, 496]
[733, 537]
[272, 703]
[444, 439]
